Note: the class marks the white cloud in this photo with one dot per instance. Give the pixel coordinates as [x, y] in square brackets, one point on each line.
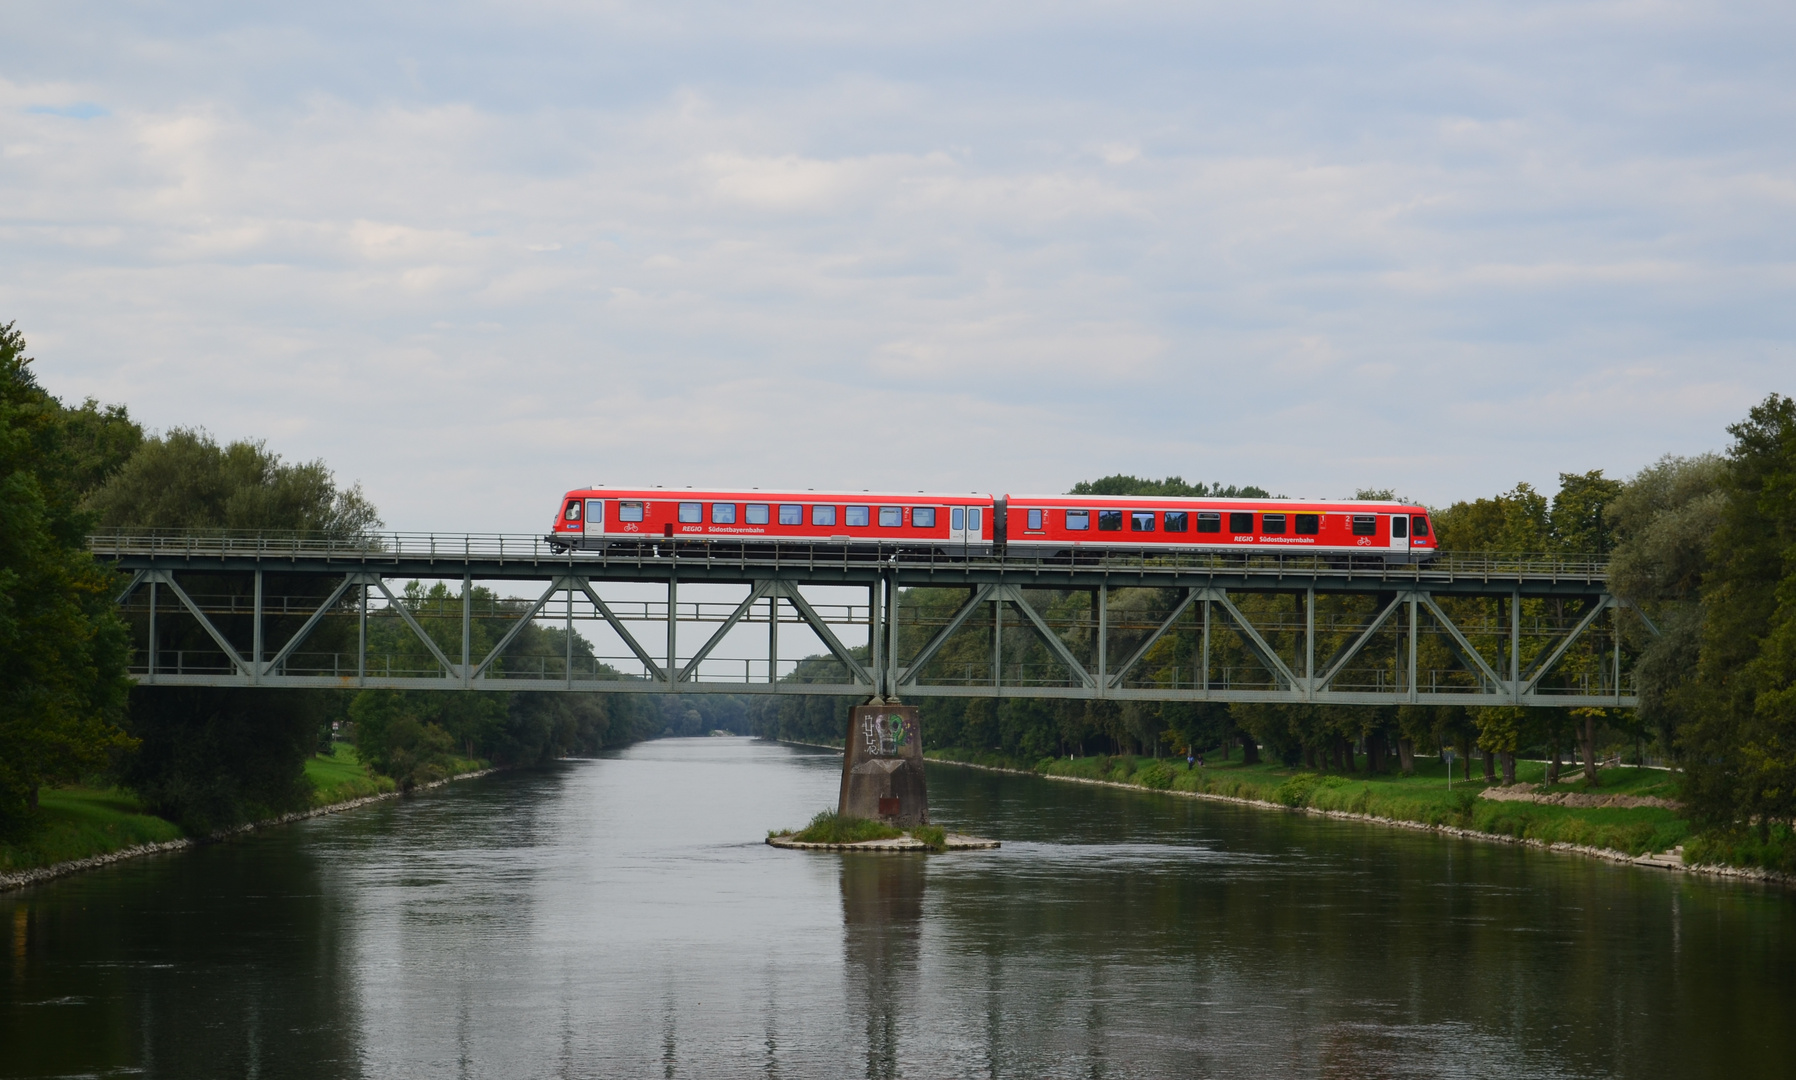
[475, 257]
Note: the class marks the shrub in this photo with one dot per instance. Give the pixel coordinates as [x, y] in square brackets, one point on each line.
[933, 835]
[1158, 776]
[829, 827]
[1297, 790]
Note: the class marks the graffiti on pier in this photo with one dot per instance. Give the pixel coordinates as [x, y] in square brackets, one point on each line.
[885, 734]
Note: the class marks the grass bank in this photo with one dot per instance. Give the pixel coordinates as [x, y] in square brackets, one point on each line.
[1424, 797]
[77, 823]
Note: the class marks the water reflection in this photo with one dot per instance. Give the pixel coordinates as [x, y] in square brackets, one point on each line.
[100, 986]
[882, 918]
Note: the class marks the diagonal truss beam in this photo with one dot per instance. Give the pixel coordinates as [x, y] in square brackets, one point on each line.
[1153, 639]
[279, 658]
[790, 592]
[1014, 595]
[1462, 647]
[165, 578]
[759, 592]
[908, 675]
[1360, 641]
[1539, 669]
[517, 628]
[450, 670]
[137, 579]
[1255, 642]
[617, 625]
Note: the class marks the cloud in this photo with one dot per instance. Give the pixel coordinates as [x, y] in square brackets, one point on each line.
[473, 258]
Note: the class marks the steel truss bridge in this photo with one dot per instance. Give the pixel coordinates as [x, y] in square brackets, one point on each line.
[1478, 630]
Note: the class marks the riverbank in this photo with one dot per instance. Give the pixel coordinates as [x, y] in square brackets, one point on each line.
[85, 828]
[1649, 833]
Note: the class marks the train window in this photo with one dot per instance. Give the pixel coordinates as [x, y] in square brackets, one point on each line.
[1078, 520]
[857, 517]
[890, 517]
[1110, 521]
[1141, 521]
[1177, 521]
[973, 519]
[791, 514]
[691, 512]
[1035, 519]
[1240, 522]
[1272, 523]
[923, 517]
[723, 513]
[1399, 526]
[757, 513]
[595, 510]
[629, 511]
[823, 515]
[1209, 522]
[957, 519]
[573, 510]
[1419, 525]
[1307, 524]
[1365, 525]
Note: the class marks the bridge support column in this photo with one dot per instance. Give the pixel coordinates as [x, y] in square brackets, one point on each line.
[882, 768]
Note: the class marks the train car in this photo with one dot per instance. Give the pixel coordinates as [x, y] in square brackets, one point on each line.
[598, 517]
[1059, 524]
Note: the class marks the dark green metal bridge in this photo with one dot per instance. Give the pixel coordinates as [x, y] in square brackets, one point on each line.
[223, 610]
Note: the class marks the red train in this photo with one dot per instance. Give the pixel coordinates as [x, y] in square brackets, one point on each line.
[595, 518]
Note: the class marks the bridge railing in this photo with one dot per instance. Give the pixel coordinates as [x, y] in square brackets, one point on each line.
[414, 547]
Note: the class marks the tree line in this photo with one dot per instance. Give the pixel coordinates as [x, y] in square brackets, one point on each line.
[1701, 551]
[213, 757]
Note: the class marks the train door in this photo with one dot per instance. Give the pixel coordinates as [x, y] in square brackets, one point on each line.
[595, 517]
[1399, 533]
[976, 530]
[957, 529]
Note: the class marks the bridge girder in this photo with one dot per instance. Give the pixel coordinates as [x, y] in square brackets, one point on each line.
[1407, 607]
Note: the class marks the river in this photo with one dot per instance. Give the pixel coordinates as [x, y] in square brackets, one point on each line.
[621, 917]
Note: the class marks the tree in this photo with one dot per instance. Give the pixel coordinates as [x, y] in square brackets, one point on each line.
[1664, 519]
[63, 652]
[212, 757]
[1172, 486]
[1739, 746]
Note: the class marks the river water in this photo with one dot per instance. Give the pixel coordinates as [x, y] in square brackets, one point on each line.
[621, 917]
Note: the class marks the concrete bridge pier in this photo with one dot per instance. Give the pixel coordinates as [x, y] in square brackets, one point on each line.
[882, 770]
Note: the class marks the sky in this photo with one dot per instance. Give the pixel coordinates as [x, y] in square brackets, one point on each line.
[474, 254]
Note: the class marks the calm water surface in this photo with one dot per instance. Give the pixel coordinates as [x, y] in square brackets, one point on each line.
[622, 918]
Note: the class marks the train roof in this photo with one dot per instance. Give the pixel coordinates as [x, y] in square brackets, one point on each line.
[1388, 504]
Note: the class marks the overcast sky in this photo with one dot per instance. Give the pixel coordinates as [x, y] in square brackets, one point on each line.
[474, 254]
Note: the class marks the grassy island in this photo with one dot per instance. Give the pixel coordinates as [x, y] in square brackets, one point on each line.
[829, 827]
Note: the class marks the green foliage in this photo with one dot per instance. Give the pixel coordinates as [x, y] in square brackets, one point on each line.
[210, 758]
[1173, 486]
[1297, 790]
[215, 757]
[1740, 740]
[76, 823]
[339, 775]
[1773, 848]
[63, 650]
[186, 480]
[1156, 775]
[933, 835]
[829, 827]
